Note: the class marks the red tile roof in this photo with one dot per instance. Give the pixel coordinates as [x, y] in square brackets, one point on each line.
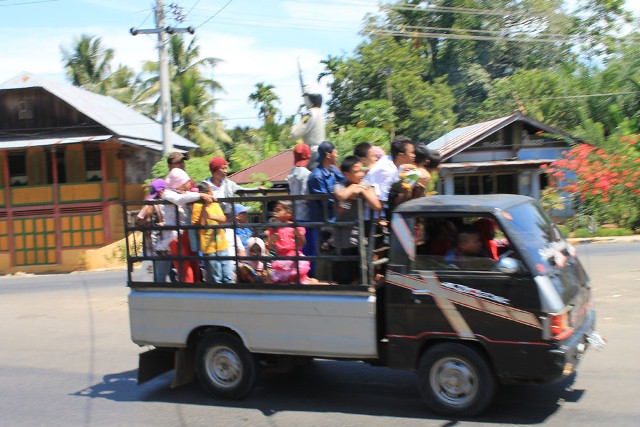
[276, 168]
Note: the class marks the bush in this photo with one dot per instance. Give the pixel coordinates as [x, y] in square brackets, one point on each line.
[603, 232]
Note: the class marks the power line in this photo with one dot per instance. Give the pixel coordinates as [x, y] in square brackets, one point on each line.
[27, 2]
[542, 36]
[215, 14]
[582, 96]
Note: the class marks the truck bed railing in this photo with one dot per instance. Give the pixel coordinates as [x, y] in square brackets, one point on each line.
[140, 251]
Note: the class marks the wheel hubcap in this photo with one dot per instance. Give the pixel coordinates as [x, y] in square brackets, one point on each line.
[224, 367]
[454, 381]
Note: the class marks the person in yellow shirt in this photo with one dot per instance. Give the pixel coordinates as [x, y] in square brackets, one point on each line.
[213, 242]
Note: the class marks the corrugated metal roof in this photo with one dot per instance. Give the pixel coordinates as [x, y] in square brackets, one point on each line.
[493, 163]
[120, 119]
[45, 142]
[276, 168]
[460, 137]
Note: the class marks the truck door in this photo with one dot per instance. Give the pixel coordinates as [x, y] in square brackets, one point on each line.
[450, 285]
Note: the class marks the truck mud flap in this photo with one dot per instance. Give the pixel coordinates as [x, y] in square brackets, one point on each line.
[153, 363]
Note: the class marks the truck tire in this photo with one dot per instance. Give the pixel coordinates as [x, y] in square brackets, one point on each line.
[225, 367]
[455, 380]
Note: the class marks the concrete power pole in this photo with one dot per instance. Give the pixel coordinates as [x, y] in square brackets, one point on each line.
[163, 64]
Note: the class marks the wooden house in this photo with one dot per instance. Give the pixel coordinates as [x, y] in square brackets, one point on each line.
[67, 158]
[503, 155]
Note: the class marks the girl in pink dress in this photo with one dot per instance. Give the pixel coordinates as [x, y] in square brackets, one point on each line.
[287, 241]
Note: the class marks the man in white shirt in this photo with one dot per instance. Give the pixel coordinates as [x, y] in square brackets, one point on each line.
[385, 171]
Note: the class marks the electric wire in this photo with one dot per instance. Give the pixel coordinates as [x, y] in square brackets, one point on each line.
[215, 14]
[27, 2]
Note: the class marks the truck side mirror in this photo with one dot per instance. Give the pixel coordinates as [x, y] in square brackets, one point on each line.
[508, 265]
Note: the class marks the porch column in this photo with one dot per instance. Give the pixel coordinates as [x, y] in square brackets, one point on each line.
[8, 202]
[535, 184]
[105, 196]
[449, 188]
[56, 203]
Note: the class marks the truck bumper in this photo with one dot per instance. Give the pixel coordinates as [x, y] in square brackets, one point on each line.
[565, 358]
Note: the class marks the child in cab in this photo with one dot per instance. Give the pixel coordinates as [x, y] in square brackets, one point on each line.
[287, 241]
[213, 241]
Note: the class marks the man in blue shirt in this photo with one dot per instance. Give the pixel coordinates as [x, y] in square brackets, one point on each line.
[322, 180]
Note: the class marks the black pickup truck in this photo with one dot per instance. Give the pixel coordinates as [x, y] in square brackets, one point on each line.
[519, 310]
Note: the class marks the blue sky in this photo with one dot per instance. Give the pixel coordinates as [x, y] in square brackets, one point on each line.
[258, 40]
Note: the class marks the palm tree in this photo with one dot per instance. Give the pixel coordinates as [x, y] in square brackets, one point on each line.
[264, 99]
[182, 60]
[331, 65]
[192, 95]
[87, 63]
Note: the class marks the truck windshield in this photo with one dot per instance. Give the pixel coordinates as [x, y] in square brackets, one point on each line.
[541, 238]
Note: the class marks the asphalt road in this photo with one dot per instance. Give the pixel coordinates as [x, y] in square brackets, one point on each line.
[66, 360]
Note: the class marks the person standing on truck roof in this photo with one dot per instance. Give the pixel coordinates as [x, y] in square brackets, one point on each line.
[385, 171]
[347, 239]
[222, 186]
[178, 192]
[322, 180]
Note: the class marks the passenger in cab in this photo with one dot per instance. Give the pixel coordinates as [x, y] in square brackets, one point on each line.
[467, 253]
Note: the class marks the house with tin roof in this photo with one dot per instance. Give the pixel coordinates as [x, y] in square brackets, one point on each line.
[274, 169]
[502, 155]
[68, 157]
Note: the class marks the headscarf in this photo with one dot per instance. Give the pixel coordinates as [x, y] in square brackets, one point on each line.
[177, 178]
[216, 163]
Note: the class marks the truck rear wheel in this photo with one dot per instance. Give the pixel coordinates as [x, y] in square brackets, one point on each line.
[455, 380]
[225, 367]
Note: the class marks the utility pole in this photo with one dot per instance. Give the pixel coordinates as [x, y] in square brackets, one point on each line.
[163, 64]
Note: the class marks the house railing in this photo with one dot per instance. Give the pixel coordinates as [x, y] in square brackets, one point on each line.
[33, 195]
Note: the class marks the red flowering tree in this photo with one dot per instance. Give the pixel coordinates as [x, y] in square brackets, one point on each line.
[606, 183]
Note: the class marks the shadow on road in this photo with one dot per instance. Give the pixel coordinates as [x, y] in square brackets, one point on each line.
[344, 387]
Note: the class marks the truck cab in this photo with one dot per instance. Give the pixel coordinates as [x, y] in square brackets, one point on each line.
[470, 291]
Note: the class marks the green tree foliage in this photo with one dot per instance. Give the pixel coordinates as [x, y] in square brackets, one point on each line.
[386, 68]
[192, 94]
[265, 99]
[87, 63]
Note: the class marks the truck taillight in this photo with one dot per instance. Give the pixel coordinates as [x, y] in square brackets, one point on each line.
[559, 324]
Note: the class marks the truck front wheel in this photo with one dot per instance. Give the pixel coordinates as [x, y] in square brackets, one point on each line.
[225, 367]
[455, 380]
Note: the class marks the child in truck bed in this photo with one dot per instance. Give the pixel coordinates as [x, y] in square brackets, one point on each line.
[287, 241]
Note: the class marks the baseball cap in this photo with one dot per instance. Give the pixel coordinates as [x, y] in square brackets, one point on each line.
[238, 208]
[301, 155]
[176, 157]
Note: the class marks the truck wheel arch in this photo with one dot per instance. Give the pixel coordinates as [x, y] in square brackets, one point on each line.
[455, 379]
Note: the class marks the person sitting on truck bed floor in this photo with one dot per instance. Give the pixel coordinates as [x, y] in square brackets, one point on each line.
[347, 239]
